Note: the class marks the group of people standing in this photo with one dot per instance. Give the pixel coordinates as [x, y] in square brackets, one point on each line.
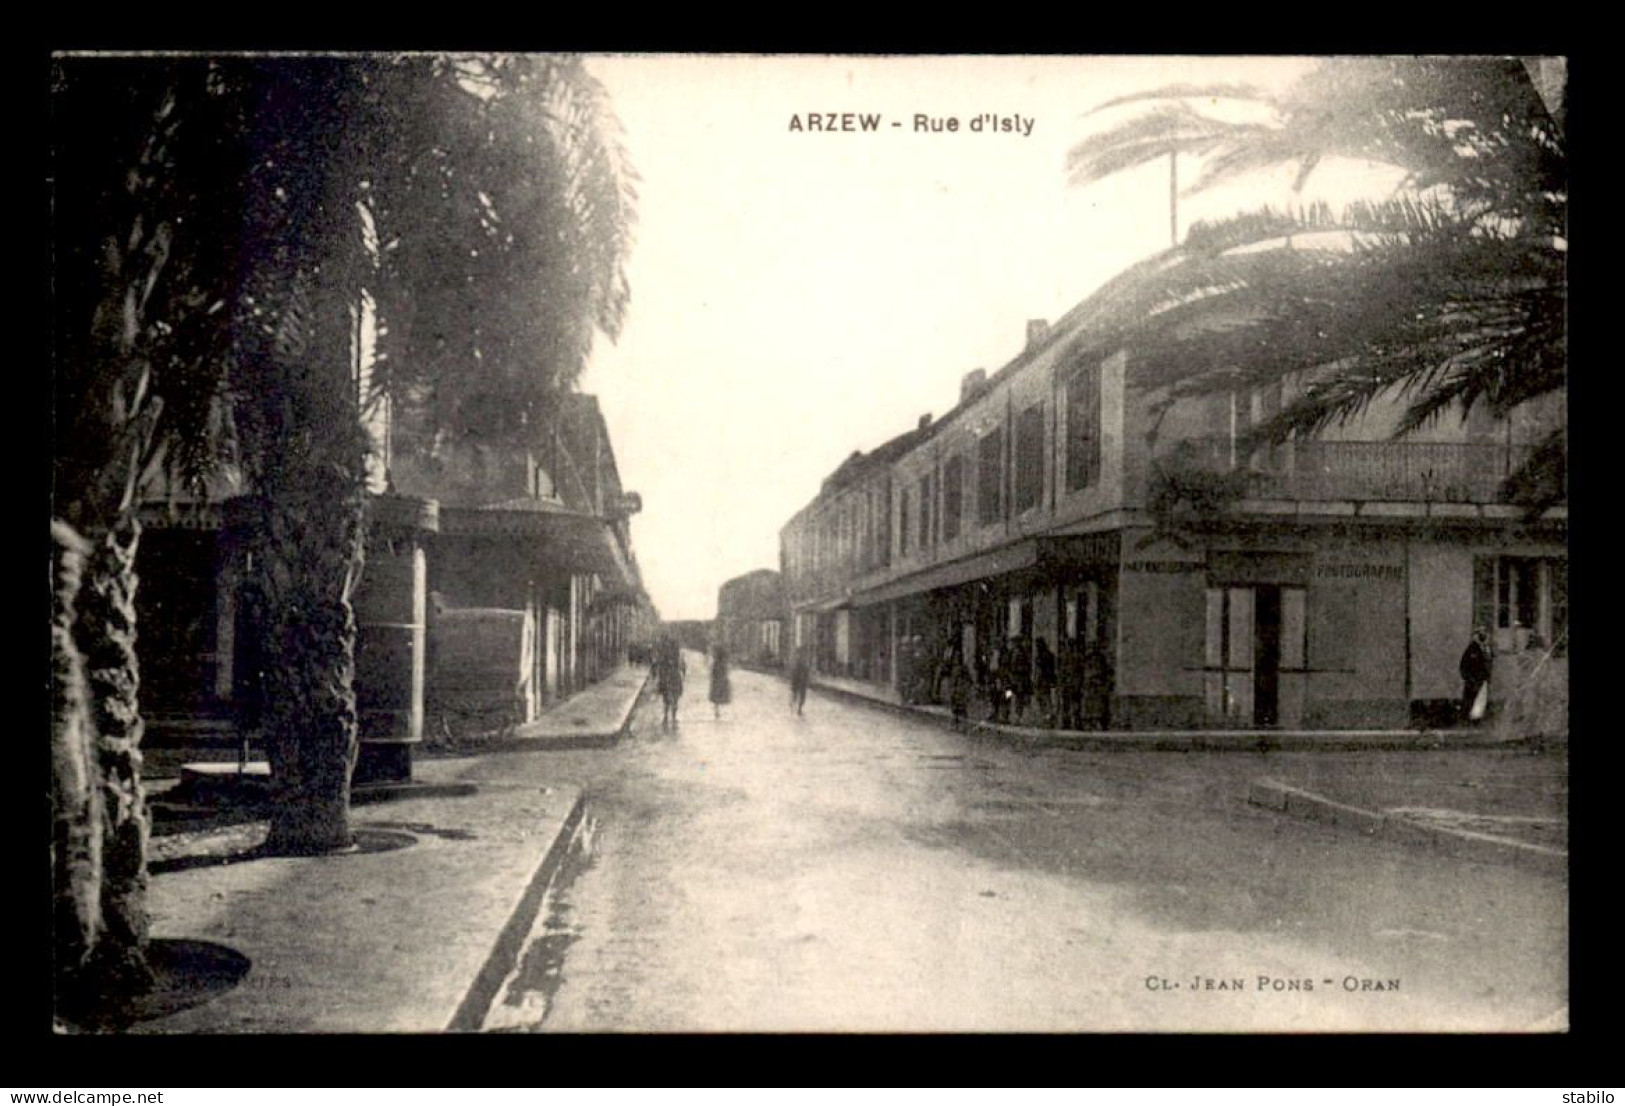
[1022, 680]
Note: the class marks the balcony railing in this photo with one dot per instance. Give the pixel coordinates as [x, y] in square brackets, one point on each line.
[1426, 472]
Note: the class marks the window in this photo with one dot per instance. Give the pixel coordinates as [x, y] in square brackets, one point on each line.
[902, 523]
[883, 505]
[1030, 458]
[925, 510]
[990, 478]
[1516, 597]
[1083, 429]
[953, 496]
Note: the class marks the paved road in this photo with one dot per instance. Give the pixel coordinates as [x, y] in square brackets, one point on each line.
[852, 870]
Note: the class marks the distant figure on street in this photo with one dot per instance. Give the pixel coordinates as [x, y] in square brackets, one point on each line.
[721, 691]
[1070, 683]
[669, 669]
[1021, 676]
[959, 686]
[997, 687]
[942, 676]
[1097, 687]
[1476, 664]
[800, 677]
[1044, 683]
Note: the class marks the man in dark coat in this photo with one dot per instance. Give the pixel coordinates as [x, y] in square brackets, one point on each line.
[1476, 664]
[1044, 683]
[1021, 676]
[1097, 687]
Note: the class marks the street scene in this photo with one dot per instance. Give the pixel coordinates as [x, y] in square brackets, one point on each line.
[837, 871]
[656, 543]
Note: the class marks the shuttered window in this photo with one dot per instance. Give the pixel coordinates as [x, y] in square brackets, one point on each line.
[990, 478]
[1083, 429]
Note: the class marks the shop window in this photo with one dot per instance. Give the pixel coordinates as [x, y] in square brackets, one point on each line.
[1030, 458]
[990, 478]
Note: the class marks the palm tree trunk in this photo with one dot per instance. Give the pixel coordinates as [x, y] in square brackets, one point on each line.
[76, 832]
[309, 551]
[106, 632]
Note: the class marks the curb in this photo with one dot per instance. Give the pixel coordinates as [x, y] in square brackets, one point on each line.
[1217, 741]
[1295, 802]
[589, 739]
[476, 1004]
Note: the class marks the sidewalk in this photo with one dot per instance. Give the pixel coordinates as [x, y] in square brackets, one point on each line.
[414, 932]
[1510, 808]
[1173, 740]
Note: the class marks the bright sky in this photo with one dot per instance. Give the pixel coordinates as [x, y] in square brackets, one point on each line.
[798, 295]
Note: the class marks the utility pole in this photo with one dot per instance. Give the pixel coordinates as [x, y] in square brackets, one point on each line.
[1173, 197]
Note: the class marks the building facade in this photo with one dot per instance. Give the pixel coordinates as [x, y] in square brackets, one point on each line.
[497, 579]
[752, 618]
[1077, 499]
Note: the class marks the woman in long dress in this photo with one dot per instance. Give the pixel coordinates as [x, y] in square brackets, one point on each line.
[721, 692]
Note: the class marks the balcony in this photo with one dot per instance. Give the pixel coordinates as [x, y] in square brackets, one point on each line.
[1389, 471]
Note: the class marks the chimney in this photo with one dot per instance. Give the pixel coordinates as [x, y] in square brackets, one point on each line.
[925, 420]
[1036, 330]
[971, 383]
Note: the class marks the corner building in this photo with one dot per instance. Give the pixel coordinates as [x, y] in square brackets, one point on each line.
[1080, 496]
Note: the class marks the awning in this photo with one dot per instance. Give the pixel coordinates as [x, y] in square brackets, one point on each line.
[1010, 558]
[558, 538]
[824, 606]
[1058, 554]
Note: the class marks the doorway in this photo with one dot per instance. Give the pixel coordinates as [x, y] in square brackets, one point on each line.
[1253, 670]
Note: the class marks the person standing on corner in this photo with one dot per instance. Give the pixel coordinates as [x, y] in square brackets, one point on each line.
[721, 690]
[959, 688]
[1476, 664]
[1021, 677]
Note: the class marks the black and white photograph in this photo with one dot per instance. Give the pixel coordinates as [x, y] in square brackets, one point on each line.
[723, 543]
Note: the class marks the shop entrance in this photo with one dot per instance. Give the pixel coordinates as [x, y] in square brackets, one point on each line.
[1254, 665]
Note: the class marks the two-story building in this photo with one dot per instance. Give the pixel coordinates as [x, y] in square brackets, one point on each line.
[1069, 497]
[751, 618]
[497, 579]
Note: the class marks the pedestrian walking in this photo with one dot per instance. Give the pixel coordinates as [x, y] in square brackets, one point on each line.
[1477, 661]
[670, 669]
[721, 690]
[800, 677]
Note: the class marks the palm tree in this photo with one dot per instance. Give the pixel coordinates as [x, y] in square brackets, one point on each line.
[212, 235]
[500, 203]
[1451, 294]
[138, 341]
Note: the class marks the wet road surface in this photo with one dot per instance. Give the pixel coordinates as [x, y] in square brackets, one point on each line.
[852, 870]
